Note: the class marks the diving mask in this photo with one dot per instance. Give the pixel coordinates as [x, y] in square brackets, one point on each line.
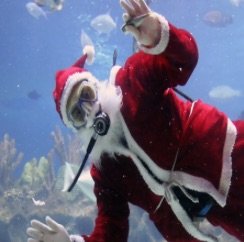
[80, 103]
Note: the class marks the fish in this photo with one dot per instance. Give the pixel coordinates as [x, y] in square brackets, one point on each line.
[236, 3]
[216, 18]
[53, 5]
[224, 92]
[103, 24]
[34, 95]
[38, 203]
[35, 11]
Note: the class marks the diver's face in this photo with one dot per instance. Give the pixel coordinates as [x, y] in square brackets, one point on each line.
[80, 103]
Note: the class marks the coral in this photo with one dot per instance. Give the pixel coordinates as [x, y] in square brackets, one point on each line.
[10, 158]
[35, 173]
[30, 176]
[59, 146]
[40, 180]
[50, 178]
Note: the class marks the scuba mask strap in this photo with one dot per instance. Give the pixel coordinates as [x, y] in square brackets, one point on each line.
[101, 126]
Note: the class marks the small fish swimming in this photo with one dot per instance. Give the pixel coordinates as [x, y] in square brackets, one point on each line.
[236, 3]
[217, 18]
[103, 24]
[53, 5]
[35, 11]
[38, 203]
[34, 95]
[224, 92]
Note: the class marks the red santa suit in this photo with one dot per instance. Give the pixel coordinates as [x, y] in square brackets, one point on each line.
[169, 145]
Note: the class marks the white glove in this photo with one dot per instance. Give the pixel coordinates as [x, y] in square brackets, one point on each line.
[141, 22]
[49, 232]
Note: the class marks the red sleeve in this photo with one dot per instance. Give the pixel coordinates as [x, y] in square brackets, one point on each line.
[181, 55]
[155, 73]
[112, 220]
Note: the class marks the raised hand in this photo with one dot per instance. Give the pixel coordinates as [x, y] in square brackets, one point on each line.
[141, 22]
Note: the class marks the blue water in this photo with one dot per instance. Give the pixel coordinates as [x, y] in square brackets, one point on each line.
[31, 50]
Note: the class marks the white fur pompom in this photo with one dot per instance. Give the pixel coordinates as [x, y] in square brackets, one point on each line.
[90, 51]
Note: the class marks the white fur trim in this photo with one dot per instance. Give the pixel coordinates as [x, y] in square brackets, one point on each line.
[76, 238]
[192, 182]
[187, 223]
[136, 150]
[184, 179]
[225, 180]
[199, 184]
[71, 82]
[189, 181]
[113, 72]
[216, 231]
[174, 204]
[192, 107]
[160, 189]
[153, 186]
[90, 51]
[164, 38]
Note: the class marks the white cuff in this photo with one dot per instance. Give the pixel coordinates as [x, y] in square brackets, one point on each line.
[76, 238]
[164, 38]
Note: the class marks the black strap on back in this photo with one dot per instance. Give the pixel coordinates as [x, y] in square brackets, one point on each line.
[198, 210]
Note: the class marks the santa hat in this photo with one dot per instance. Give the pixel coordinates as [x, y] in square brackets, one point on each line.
[66, 79]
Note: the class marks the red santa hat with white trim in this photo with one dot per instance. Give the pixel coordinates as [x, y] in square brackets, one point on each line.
[66, 79]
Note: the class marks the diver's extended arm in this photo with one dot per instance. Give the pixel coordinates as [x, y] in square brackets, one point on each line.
[173, 52]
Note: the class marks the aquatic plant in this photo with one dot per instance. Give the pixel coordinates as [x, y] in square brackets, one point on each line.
[10, 158]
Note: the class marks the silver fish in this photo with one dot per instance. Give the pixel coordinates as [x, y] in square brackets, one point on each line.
[35, 11]
[103, 24]
[216, 18]
[53, 5]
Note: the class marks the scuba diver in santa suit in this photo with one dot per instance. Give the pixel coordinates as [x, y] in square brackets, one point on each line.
[180, 161]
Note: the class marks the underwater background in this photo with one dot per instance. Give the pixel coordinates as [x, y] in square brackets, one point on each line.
[35, 145]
